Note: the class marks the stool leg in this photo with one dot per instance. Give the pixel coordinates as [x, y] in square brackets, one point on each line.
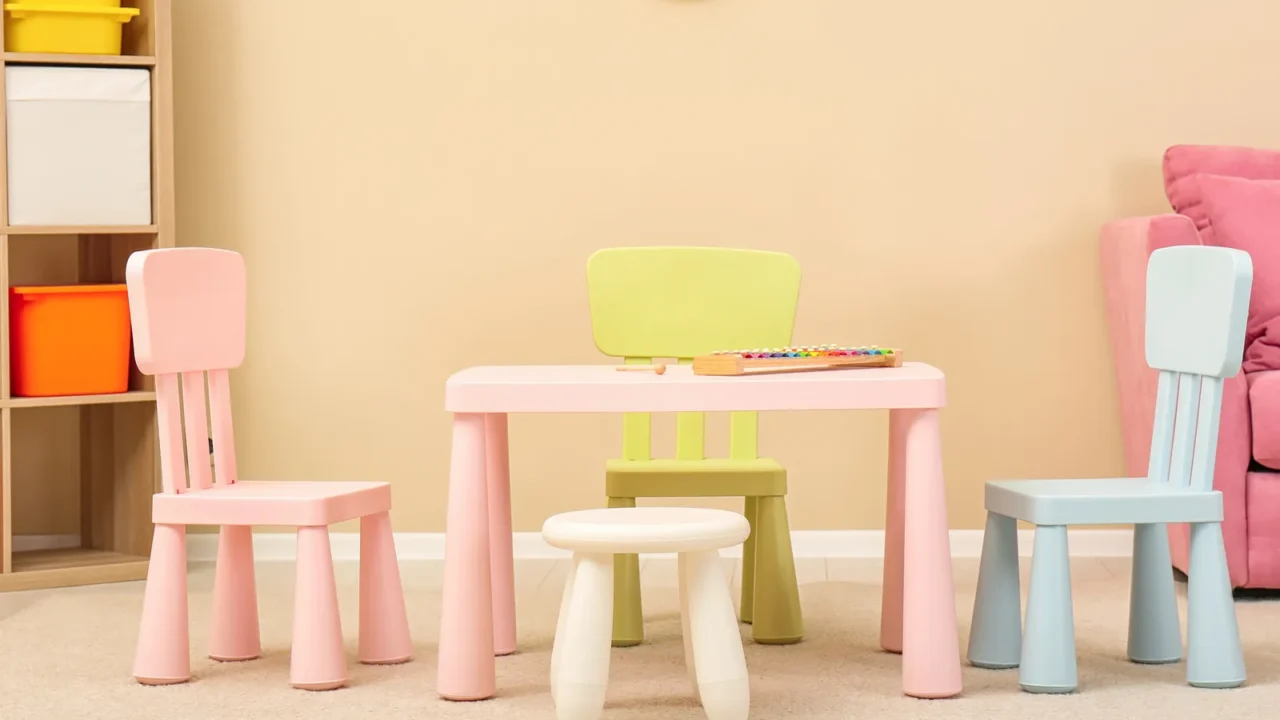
[562, 621]
[684, 583]
[1049, 637]
[995, 638]
[234, 635]
[1154, 635]
[720, 666]
[164, 647]
[628, 614]
[582, 656]
[747, 607]
[776, 618]
[384, 625]
[318, 661]
[1214, 658]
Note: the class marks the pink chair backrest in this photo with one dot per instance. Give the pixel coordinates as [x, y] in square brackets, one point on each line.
[187, 307]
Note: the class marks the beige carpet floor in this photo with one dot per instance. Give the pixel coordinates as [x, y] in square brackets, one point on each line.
[67, 654]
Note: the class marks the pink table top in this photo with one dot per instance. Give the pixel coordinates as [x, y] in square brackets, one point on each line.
[602, 389]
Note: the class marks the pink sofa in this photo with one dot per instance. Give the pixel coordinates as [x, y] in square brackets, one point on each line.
[1246, 469]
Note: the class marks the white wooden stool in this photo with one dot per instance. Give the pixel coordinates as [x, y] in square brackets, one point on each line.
[712, 643]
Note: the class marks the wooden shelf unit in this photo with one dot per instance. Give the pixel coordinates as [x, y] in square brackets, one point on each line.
[104, 446]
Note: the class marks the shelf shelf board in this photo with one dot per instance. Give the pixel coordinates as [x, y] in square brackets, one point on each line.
[80, 230]
[13, 58]
[64, 400]
[66, 567]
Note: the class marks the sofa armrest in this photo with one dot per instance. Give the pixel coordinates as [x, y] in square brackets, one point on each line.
[1126, 246]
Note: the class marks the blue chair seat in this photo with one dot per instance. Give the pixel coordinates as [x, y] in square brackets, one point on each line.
[1103, 501]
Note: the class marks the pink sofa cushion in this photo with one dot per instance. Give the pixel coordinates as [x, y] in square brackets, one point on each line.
[1182, 163]
[1264, 412]
[1245, 214]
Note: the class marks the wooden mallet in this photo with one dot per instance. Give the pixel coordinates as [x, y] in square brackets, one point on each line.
[656, 369]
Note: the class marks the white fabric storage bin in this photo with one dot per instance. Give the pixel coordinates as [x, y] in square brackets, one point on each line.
[79, 142]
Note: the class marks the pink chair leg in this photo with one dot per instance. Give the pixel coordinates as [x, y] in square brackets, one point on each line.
[891, 594]
[384, 626]
[234, 633]
[930, 640]
[164, 648]
[318, 661]
[501, 565]
[466, 669]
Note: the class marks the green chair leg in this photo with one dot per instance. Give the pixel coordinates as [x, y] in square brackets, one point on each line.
[628, 616]
[776, 612]
[749, 565]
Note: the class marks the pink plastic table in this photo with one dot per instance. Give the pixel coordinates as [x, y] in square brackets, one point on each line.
[918, 613]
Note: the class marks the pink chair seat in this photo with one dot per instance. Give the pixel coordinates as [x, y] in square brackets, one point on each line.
[298, 504]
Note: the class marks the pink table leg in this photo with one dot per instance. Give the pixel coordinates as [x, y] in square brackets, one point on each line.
[501, 562]
[891, 595]
[930, 639]
[466, 665]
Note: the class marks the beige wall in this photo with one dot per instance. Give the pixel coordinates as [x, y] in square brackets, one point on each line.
[410, 182]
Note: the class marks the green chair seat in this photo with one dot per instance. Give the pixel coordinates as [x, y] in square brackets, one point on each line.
[712, 477]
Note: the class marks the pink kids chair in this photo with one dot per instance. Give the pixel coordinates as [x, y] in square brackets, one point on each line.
[188, 313]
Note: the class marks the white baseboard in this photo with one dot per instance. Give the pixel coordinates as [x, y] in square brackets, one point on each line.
[203, 547]
[804, 544]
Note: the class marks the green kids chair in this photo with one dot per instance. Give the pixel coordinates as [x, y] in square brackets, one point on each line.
[649, 303]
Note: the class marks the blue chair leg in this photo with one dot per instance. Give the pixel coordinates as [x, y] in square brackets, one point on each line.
[1154, 634]
[995, 637]
[1214, 657]
[1049, 635]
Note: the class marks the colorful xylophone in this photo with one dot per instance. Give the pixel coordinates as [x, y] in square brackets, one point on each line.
[795, 359]
[788, 359]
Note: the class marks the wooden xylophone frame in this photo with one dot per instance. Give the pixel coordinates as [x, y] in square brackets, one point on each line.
[739, 363]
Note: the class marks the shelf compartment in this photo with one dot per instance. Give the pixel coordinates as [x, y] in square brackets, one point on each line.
[87, 259]
[78, 146]
[141, 41]
[19, 230]
[87, 471]
[13, 58]
[68, 567]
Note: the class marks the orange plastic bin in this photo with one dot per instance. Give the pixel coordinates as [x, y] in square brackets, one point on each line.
[69, 340]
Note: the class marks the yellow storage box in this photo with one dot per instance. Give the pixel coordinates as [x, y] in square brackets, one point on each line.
[91, 27]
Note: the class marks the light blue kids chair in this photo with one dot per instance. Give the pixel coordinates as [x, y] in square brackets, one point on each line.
[1197, 307]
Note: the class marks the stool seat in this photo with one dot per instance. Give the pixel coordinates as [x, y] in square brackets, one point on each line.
[646, 530]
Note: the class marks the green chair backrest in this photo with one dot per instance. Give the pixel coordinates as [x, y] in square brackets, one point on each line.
[679, 302]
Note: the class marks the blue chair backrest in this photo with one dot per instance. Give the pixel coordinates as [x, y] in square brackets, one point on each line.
[1197, 310]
